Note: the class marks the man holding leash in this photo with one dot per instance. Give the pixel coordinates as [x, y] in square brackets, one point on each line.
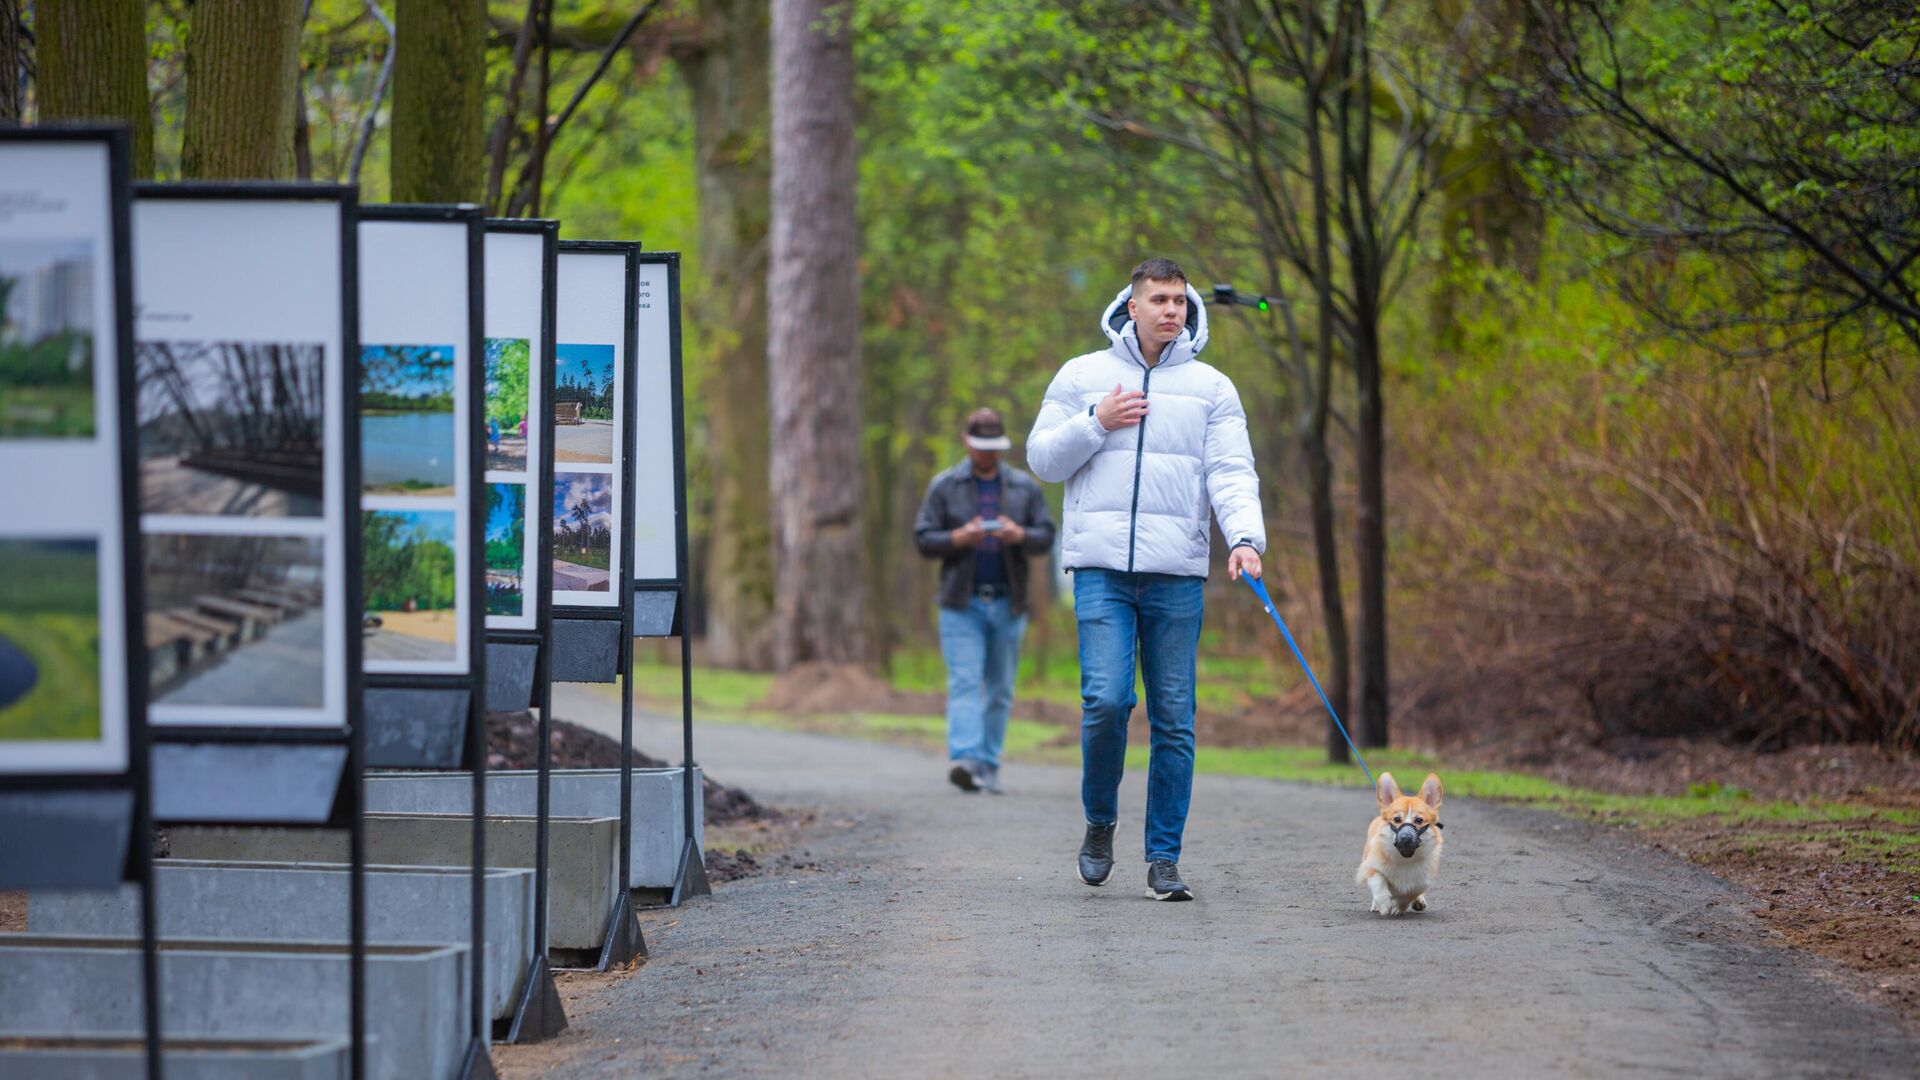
[983, 521]
[1139, 493]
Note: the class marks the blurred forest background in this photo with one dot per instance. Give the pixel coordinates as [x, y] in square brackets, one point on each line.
[1585, 398]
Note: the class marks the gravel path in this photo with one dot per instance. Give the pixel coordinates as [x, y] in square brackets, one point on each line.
[942, 934]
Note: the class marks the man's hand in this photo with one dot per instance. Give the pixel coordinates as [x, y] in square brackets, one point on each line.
[1243, 560]
[1121, 408]
[1012, 533]
[969, 535]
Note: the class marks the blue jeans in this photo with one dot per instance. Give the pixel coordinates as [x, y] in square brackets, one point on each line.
[1157, 616]
[981, 646]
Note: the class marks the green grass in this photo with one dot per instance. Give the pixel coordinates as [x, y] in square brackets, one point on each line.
[46, 412]
[596, 560]
[64, 702]
[732, 697]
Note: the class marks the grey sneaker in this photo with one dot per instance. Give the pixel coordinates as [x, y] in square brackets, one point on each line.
[989, 777]
[1163, 881]
[1096, 855]
[964, 777]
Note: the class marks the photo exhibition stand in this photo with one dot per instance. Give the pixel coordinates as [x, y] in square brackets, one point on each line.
[521, 263]
[76, 804]
[592, 629]
[660, 574]
[248, 307]
[422, 340]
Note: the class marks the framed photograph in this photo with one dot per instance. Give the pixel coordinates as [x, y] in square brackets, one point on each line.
[245, 361]
[519, 311]
[420, 414]
[67, 702]
[594, 331]
[659, 458]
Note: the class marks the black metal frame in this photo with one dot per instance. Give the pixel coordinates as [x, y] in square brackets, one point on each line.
[472, 218]
[136, 777]
[538, 1013]
[624, 940]
[350, 799]
[690, 879]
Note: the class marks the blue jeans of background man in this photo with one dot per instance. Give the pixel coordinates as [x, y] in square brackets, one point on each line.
[981, 646]
[1157, 618]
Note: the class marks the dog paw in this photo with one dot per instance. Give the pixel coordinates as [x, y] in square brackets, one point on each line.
[1420, 903]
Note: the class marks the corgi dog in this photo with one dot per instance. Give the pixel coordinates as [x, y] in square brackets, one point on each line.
[1402, 854]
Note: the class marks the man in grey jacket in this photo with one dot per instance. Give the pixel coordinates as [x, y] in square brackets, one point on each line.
[983, 521]
[1139, 497]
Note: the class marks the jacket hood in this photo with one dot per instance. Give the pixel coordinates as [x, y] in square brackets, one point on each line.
[1119, 328]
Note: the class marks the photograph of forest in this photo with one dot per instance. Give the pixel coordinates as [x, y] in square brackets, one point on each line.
[506, 547]
[408, 566]
[507, 404]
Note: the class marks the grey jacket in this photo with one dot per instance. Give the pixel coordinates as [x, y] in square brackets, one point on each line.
[949, 504]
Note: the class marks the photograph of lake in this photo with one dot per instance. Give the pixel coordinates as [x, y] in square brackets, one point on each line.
[582, 531]
[50, 641]
[236, 620]
[507, 404]
[408, 568]
[583, 403]
[46, 339]
[506, 545]
[406, 419]
[229, 427]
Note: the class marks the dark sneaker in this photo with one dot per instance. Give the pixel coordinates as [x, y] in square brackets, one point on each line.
[989, 777]
[964, 777]
[1163, 881]
[1096, 855]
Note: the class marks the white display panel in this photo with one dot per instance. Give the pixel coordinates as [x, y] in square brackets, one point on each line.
[655, 476]
[63, 662]
[416, 429]
[240, 410]
[515, 284]
[589, 374]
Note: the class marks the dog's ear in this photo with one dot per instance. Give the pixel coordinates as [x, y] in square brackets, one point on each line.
[1430, 790]
[1386, 790]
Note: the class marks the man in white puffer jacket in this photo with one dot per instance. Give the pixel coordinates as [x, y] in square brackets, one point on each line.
[1139, 496]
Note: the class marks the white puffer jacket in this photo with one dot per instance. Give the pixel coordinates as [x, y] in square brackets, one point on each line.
[1138, 498]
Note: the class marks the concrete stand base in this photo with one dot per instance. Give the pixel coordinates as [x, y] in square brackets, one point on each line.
[259, 902]
[582, 858]
[416, 995]
[185, 1059]
[659, 812]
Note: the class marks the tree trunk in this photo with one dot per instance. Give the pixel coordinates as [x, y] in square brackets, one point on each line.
[1313, 438]
[1366, 280]
[12, 51]
[728, 78]
[242, 61]
[439, 95]
[92, 65]
[1370, 533]
[813, 340]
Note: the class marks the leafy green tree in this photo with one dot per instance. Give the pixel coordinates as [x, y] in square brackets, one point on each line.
[1780, 140]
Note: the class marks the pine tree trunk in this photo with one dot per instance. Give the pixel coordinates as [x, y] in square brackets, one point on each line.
[728, 79]
[439, 94]
[813, 341]
[242, 60]
[92, 65]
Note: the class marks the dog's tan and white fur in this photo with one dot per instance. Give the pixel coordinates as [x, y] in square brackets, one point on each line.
[1398, 883]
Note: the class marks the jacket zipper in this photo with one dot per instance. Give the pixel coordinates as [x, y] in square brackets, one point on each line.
[1139, 456]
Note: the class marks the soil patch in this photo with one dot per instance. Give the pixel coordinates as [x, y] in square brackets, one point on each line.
[513, 741]
[1849, 895]
[13, 912]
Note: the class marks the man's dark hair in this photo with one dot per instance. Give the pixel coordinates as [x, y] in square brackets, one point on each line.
[1159, 270]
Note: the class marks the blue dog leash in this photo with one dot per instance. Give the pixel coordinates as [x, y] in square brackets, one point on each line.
[1260, 590]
